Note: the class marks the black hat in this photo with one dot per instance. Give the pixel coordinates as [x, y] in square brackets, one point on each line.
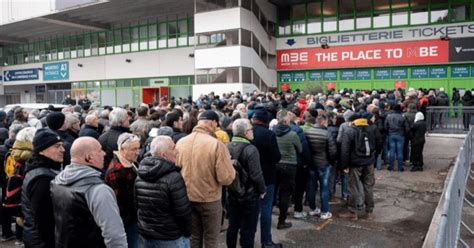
[261, 114]
[55, 120]
[44, 138]
[209, 115]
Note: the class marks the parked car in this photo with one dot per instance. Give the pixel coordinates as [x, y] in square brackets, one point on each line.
[31, 106]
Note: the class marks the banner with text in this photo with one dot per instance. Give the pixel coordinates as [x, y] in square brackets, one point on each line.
[401, 53]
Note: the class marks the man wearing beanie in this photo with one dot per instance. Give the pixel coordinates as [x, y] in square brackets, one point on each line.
[267, 146]
[45, 163]
[56, 122]
[206, 167]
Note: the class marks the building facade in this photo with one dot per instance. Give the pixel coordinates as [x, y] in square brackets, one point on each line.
[123, 51]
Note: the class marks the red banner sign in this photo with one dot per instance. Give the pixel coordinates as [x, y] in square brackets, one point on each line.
[331, 86]
[284, 86]
[400, 84]
[401, 53]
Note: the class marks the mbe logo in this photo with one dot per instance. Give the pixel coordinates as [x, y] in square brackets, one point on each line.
[294, 58]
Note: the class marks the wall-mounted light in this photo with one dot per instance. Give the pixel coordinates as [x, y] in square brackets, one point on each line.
[128, 60]
[5, 63]
[80, 65]
[325, 46]
[444, 37]
[191, 55]
[40, 69]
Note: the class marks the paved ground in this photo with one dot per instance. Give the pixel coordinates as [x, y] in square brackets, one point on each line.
[405, 203]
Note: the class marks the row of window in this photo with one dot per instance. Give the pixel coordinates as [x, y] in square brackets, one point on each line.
[166, 34]
[346, 15]
[230, 75]
[251, 5]
[138, 82]
[232, 37]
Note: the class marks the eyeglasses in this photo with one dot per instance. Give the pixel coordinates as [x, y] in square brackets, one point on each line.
[131, 137]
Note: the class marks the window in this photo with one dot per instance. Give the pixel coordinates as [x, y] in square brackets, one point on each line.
[284, 24]
[346, 15]
[87, 45]
[329, 15]
[153, 35]
[419, 15]
[172, 32]
[102, 43]
[163, 35]
[118, 41]
[246, 38]
[183, 32]
[143, 38]
[135, 39]
[314, 18]
[94, 44]
[126, 40]
[461, 12]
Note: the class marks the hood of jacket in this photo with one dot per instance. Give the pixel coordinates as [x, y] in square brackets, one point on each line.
[76, 172]
[281, 129]
[38, 160]
[361, 122]
[22, 150]
[153, 168]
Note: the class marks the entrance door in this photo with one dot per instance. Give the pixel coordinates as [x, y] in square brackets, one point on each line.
[151, 95]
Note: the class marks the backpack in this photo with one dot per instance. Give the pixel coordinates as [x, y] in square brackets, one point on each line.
[12, 201]
[9, 165]
[364, 142]
[238, 188]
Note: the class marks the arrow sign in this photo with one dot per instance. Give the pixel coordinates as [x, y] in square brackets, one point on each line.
[56, 71]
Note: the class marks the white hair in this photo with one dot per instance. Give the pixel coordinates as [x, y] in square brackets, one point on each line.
[90, 119]
[240, 126]
[117, 117]
[125, 138]
[71, 119]
[26, 134]
[160, 144]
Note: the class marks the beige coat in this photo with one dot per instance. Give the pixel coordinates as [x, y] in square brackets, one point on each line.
[205, 165]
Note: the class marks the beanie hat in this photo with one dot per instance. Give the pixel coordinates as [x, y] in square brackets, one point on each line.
[261, 115]
[347, 115]
[166, 130]
[209, 115]
[226, 122]
[45, 138]
[55, 120]
[419, 117]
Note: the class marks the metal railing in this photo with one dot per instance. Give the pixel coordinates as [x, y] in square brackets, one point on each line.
[450, 222]
[449, 119]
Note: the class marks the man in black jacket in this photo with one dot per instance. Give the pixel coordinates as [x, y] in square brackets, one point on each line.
[323, 155]
[164, 210]
[57, 123]
[36, 201]
[120, 123]
[267, 146]
[360, 167]
[397, 127]
[243, 210]
[90, 127]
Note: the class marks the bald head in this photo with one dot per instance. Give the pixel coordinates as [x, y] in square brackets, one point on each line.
[87, 151]
[92, 120]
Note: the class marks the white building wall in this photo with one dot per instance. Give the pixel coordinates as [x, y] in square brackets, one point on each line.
[160, 63]
[218, 89]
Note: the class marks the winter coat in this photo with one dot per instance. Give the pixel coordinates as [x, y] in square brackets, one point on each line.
[289, 144]
[248, 157]
[89, 131]
[108, 141]
[418, 131]
[36, 201]
[305, 157]
[205, 164]
[322, 145]
[348, 156]
[164, 210]
[467, 100]
[442, 99]
[85, 210]
[266, 143]
[396, 124]
[122, 179]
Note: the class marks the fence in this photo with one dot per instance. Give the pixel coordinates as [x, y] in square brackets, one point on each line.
[448, 233]
[449, 119]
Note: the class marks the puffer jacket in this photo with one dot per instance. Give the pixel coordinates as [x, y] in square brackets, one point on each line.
[205, 164]
[289, 144]
[418, 131]
[322, 145]
[164, 210]
[348, 156]
[396, 123]
[247, 155]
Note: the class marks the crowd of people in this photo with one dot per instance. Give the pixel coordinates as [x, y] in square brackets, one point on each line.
[168, 174]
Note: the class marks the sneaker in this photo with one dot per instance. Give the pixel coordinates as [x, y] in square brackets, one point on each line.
[348, 215]
[284, 225]
[325, 216]
[7, 238]
[299, 215]
[19, 243]
[314, 212]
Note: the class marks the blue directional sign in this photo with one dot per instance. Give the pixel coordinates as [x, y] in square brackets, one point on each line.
[363, 74]
[460, 71]
[382, 73]
[330, 75]
[56, 71]
[299, 76]
[20, 75]
[419, 72]
[315, 75]
[438, 72]
[348, 75]
[399, 73]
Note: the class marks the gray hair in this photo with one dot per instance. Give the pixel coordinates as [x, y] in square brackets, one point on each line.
[125, 138]
[35, 113]
[159, 145]
[26, 134]
[105, 113]
[281, 116]
[240, 126]
[71, 119]
[117, 116]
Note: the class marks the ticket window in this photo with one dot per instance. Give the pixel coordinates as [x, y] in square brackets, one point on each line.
[151, 95]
